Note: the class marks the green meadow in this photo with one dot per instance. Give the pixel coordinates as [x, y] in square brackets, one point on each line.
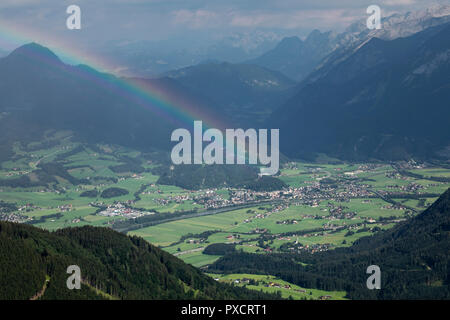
[273, 284]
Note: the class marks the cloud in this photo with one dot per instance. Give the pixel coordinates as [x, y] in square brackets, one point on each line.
[195, 18]
[163, 19]
[399, 2]
[293, 19]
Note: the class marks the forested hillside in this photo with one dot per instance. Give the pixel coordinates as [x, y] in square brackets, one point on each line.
[113, 266]
[196, 177]
[413, 258]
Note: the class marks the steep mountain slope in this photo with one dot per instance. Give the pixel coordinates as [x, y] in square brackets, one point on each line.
[387, 100]
[112, 266]
[393, 27]
[401, 25]
[320, 51]
[413, 258]
[244, 92]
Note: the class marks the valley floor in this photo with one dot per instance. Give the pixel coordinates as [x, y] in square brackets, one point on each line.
[56, 185]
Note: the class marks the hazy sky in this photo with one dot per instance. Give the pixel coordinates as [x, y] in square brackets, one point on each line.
[104, 20]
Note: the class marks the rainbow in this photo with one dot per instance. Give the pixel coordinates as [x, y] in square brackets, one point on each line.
[98, 71]
[148, 96]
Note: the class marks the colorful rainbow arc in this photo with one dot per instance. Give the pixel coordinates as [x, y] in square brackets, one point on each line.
[161, 102]
[174, 109]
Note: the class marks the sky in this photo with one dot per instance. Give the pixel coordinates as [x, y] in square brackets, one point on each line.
[180, 22]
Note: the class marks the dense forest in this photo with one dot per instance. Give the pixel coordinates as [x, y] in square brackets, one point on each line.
[45, 175]
[219, 248]
[113, 192]
[89, 193]
[113, 265]
[413, 257]
[266, 183]
[196, 177]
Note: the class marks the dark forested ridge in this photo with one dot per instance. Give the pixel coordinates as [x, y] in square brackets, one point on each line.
[247, 93]
[413, 257]
[196, 177]
[112, 265]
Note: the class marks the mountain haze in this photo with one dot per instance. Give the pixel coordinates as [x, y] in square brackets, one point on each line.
[246, 93]
[296, 58]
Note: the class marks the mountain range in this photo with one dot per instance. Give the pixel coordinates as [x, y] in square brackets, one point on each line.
[386, 100]
[39, 92]
[377, 95]
[297, 59]
[246, 93]
[358, 95]
[152, 58]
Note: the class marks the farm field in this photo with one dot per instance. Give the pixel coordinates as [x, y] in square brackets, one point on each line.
[272, 284]
[233, 229]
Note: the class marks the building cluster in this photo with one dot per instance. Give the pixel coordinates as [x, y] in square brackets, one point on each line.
[14, 217]
[122, 210]
[339, 212]
[278, 285]
[65, 208]
[268, 213]
[313, 248]
[289, 221]
[28, 208]
[396, 175]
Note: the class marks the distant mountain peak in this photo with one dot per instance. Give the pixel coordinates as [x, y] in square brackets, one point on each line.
[436, 11]
[314, 33]
[296, 58]
[34, 50]
[318, 38]
[374, 78]
[290, 41]
[401, 25]
[289, 44]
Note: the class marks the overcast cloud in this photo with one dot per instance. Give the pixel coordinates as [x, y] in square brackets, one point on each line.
[155, 20]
